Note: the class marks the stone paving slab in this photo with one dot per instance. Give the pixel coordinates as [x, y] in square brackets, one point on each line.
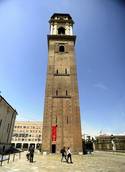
[97, 162]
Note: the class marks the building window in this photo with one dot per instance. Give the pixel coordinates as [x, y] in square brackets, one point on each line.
[66, 93]
[56, 92]
[0, 122]
[67, 120]
[61, 48]
[61, 31]
[65, 71]
[57, 71]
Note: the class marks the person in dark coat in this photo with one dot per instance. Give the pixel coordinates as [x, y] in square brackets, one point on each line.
[31, 150]
[28, 155]
[63, 152]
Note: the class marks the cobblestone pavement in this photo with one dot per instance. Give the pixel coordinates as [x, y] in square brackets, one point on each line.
[97, 162]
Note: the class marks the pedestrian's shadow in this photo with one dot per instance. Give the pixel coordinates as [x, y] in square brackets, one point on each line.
[33, 162]
[64, 161]
[67, 162]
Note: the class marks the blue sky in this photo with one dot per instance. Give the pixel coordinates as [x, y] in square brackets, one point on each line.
[100, 54]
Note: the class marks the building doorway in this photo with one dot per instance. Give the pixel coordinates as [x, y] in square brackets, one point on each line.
[19, 145]
[25, 146]
[53, 148]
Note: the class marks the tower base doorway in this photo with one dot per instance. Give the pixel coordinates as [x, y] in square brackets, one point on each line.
[53, 148]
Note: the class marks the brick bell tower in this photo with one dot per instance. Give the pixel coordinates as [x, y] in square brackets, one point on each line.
[61, 121]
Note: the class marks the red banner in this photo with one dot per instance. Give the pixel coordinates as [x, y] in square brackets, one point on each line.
[53, 133]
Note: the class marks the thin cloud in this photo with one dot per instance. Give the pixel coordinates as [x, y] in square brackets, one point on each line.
[101, 86]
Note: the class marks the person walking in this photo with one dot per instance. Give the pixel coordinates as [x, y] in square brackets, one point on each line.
[31, 150]
[63, 152]
[69, 155]
[28, 155]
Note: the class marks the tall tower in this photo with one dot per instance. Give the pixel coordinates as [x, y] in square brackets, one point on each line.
[61, 122]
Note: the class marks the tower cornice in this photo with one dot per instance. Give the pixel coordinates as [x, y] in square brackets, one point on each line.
[53, 18]
[62, 38]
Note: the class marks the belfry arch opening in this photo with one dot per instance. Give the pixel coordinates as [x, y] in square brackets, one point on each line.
[61, 31]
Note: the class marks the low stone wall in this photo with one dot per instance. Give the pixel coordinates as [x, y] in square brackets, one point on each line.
[108, 143]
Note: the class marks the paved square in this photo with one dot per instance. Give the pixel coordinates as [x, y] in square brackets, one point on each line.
[97, 162]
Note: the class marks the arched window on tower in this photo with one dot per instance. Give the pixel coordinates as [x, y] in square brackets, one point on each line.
[57, 71]
[61, 48]
[61, 31]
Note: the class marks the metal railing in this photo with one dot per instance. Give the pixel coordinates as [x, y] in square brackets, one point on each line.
[7, 157]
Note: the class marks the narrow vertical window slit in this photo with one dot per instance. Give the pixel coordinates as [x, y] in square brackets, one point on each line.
[56, 92]
[66, 93]
[67, 120]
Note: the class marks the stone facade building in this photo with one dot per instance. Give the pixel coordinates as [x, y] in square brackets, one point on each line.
[61, 122]
[110, 143]
[27, 133]
[7, 120]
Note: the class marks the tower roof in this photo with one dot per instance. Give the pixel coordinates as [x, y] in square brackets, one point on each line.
[61, 16]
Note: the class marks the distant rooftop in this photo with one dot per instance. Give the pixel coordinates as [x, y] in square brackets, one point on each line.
[2, 98]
